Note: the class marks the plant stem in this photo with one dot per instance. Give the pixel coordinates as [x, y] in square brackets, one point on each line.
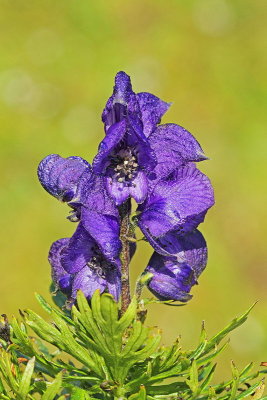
[125, 210]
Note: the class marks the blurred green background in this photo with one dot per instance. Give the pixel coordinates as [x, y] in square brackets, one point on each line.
[58, 60]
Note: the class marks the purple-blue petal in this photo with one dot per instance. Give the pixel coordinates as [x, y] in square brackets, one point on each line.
[79, 250]
[96, 197]
[118, 191]
[113, 137]
[113, 278]
[171, 280]
[190, 249]
[174, 146]
[139, 187]
[105, 230]
[152, 110]
[88, 281]
[121, 191]
[60, 276]
[178, 203]
[62, 177]
[136, 140]
[122, 102]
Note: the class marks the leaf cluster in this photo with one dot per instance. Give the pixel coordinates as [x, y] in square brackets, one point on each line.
[95, 353]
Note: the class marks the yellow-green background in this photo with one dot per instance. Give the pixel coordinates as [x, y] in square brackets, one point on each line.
[57, 63]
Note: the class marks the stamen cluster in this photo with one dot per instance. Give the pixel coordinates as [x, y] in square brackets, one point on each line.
[125, 166]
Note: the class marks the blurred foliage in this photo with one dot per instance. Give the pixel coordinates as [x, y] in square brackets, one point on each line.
[57, 64]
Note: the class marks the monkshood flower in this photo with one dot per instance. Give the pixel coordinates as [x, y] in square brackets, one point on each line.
[134, 147]
[82, 266]
[174, 275]
[140, 159]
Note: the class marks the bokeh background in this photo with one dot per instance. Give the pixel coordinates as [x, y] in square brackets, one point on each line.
[57, 64]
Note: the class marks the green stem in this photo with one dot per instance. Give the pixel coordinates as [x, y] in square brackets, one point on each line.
[125, 210]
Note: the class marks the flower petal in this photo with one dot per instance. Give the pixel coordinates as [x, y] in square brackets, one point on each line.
[122, 102]
[190, 249]
[61, 278]
[136, 140]
[105, 230]
[113, 278]
[88, 281]
[139, 187]
[114, 135]
[80, 249]
[152, 109]
[119, 191]
[96, 197]
[63, 177]
[171, 280]
[174, 146]
[177, 203]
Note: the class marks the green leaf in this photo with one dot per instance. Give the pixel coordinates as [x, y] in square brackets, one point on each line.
[170, 389]
[21, 338]
[24, 386]
[53, 388]
[79, 394]
[207, 358]
[141, 395]
[215, 340]
[174, 371]
[6, 368]
[2, 388]
[208, 378]
[43, 303]
[71, 346]
[212, 394]
[235, 382]
[48, 308]
[192, 382]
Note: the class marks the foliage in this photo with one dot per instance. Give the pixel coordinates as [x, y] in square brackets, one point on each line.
[112, 357]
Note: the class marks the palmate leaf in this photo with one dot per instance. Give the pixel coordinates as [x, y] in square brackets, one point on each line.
[122, 342]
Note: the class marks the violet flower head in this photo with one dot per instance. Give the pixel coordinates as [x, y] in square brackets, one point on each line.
[138, 159]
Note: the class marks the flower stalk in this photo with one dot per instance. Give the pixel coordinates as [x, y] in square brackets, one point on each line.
[125, 210]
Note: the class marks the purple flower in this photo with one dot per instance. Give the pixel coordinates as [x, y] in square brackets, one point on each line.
[78, 264]
[135, 148]
[125, 156]
[140, 159]
[173, 276]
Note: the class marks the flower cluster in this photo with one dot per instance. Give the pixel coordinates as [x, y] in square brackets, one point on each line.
[151, 163]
